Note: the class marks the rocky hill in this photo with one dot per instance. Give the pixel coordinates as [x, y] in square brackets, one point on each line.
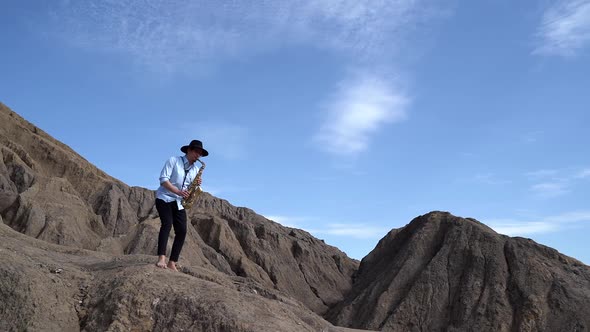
[49, 192]
[445, 273]
[79, 248]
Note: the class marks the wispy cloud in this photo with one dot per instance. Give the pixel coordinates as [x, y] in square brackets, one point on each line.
[550, 189]
[226, 190]
[171, 35]
[565, 28]
[583, 174]
[515, 227]
[360, 107]
[194, 35]
[489, 178]
[550, 183]
[357, 231]
[227, 140]
[352, 230]
[531, 137]
[287, 221]
[542, 173]
[185, 36]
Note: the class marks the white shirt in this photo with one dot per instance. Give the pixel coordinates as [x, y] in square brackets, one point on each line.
[181, 174]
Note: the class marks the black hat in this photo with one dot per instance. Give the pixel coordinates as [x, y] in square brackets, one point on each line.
[195, 144]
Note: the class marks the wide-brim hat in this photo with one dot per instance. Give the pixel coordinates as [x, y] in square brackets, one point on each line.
[195, 144]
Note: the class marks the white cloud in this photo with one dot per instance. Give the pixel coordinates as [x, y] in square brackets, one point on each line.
[489, 178]
[565, 28]
[184, 36]
[550, 189]
[524, 228]
[191, 35]
[570, 217]
[227, 140]
[357, 231]
[583, 174]
[542, 173]
[531, 137]
[171, 35]
[511, 227]
[293, 222]
[361, 106]
[225, 190]
[548, 224]
[555, 182]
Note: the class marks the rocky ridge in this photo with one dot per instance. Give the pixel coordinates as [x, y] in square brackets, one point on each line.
[445, 273]
[50, 193]
[79, 249]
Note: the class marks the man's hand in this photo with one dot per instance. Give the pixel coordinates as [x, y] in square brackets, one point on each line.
[172, 188]
[199, 181]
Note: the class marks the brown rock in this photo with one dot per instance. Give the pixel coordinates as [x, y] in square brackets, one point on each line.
[242, 272]
[47, 287]
[52, 211]
[292, 260]
[442, 272]
[52, 193]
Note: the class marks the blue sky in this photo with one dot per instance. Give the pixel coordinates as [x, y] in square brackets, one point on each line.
[344, 118]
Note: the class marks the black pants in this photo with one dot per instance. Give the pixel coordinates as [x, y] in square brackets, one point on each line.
[170, 216]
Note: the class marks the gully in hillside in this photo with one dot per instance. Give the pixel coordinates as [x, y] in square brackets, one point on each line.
[179, 181]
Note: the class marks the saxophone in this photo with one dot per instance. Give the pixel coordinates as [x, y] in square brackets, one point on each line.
[194, 190]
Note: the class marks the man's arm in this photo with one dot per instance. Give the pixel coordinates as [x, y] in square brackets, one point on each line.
[173, 189]
[165, 178]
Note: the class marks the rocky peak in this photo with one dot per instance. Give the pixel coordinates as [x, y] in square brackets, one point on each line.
[442, 272]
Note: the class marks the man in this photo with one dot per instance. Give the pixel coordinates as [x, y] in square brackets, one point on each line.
[175, 178]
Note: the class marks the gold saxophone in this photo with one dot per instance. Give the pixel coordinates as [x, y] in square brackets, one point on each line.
[194, 190]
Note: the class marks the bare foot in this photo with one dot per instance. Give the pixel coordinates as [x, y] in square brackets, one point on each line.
[172, 266]
[161, 262]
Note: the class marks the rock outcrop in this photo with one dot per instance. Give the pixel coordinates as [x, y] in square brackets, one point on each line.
[445, 273]
[78, 250]
[48, 287]
[51, 193]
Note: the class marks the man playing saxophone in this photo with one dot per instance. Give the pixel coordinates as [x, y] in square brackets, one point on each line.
[175, 178]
